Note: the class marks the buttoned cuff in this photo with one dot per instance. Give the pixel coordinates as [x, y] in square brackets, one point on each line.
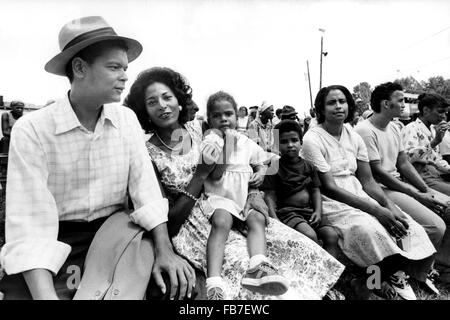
[152, 214]
[24, 255]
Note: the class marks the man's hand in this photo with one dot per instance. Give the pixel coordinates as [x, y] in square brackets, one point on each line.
[428, 200]
[440, 129]
[314, 221]
[181, 274]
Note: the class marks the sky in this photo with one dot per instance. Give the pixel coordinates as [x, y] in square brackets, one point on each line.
[255, 50]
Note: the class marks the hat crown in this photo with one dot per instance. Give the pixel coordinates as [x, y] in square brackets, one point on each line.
[78, 27]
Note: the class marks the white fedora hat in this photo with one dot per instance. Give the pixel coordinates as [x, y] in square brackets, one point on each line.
[80, 33]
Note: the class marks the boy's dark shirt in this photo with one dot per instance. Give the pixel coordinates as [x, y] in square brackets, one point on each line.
[292, 176]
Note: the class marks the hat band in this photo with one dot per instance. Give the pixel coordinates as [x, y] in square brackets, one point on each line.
[108, 31]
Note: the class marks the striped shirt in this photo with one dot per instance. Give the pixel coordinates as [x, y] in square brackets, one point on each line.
[60, 171]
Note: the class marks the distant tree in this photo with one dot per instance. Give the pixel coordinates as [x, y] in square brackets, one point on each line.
[438, 85]
[411, 85]
[363, 92]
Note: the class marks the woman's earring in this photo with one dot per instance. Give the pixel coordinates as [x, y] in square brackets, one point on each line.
[180, 107]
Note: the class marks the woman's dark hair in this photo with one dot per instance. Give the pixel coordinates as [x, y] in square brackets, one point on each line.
[92, 52]
[244, 108]
[218, 96]
[288, 126]
[319, 103]
[431, 101]
[172, 79]
[383, 92]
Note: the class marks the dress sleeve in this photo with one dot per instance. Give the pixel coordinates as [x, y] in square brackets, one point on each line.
[32, 219]
[361, 149]
[313, 153]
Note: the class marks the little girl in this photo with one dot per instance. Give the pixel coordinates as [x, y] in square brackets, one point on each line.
[227, 191]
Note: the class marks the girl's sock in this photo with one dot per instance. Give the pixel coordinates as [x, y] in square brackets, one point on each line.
[214, 282]
[257, 259]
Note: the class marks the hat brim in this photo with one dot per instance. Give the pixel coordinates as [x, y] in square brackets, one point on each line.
[57, 65]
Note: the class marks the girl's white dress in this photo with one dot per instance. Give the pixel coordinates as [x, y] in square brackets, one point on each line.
[231, 191]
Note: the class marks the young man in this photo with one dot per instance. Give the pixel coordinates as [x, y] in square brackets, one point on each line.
[391, 168]
[422, 140]
[71, 166]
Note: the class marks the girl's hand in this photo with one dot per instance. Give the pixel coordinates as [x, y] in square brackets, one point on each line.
[256, 180]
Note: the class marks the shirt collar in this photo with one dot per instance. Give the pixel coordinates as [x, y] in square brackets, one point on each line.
[66, 119]
[423, 127]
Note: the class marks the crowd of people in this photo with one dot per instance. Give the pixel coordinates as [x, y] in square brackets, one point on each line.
[144, 201]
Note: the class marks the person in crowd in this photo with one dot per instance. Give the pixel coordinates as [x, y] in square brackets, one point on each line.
[158, 97]
[71, 166]
[310, 121]
[367, 114]
[192, 110]
[421, 141]
[261, 129]
[288, 113]
[242, 121]
[355, 119]
[372, 230]
[8, 121]
[392, 169]
[444, 146]
[252, 114]
[242, 166]
[292, 194]
[276, 120]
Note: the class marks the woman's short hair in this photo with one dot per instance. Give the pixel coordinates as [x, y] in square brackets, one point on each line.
[172, 79]
[383, 92]
[287, 126]
[431, 100]
[319, 103]
[219, 96]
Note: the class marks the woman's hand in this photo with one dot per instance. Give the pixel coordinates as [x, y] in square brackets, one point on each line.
[393, 223]
[256, 180]
[256, 202]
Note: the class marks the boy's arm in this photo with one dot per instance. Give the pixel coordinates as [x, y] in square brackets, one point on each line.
[316, 199]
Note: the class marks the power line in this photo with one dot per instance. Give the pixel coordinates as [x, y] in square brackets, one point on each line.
[426, 38]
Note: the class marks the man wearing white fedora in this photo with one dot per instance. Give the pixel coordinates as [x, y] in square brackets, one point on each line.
[71, 167]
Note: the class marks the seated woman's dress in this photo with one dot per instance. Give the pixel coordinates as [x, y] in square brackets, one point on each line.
[311, 269]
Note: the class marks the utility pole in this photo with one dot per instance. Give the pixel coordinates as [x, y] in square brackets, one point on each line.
[309, 82]
[321, 54]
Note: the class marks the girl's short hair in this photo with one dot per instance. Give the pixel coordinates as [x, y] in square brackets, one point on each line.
[319, 103]
[218, 96]
[172, 79]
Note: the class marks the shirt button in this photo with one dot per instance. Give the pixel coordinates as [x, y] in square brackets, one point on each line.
[97, 293]
[116, 292]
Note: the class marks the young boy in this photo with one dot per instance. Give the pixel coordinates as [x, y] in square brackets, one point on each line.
[292, 194]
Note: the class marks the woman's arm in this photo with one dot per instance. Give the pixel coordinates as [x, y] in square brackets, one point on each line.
[182, 207]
